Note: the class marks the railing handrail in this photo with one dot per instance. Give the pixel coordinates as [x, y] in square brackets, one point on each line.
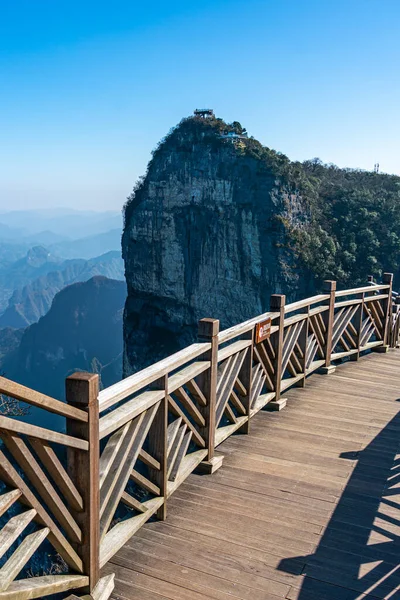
[361, 290]
[126, 387]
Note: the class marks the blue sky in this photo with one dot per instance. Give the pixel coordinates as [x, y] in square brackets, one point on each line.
[88, 88]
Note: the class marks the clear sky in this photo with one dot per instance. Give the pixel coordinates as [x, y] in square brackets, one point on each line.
[88, 87]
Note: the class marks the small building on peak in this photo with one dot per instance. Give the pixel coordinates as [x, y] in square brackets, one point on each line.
[204, 112]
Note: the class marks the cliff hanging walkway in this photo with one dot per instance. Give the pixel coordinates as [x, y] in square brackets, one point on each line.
[307, 507]
[301, 503]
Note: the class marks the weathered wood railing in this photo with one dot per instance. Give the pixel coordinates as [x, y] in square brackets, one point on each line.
[128, 448]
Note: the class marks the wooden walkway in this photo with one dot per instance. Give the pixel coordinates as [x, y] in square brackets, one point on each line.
[307, 507]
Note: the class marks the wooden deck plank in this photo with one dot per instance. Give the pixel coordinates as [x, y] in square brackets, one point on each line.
[307, 507]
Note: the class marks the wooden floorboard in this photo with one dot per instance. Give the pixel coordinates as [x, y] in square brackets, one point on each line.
[306, 507]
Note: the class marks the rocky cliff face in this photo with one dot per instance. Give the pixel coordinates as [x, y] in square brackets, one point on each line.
[206, 236]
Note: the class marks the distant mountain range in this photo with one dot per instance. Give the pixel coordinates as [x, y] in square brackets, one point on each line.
[50, 226]
[21, 264]
[90, 246]
[81, 331]
[62, 295]
[29, 303]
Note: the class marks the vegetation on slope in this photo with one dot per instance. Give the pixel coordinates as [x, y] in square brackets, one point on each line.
[351, 227]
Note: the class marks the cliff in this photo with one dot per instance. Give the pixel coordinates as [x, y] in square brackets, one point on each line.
[206, 235]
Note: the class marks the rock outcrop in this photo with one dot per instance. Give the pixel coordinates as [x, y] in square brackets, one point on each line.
[206, 236]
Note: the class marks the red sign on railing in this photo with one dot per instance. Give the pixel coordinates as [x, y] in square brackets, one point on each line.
[263, 330]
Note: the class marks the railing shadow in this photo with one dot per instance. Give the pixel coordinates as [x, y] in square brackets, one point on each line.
[358, 554]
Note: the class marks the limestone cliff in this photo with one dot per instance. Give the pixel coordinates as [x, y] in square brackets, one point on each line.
[206, 236]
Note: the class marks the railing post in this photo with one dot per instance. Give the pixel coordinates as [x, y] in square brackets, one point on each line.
[393, 326]
[303, 343]
[158, 445]
[397, 324]
[329, 287]
[387, 279]
[208, 332]
[82, 390]
[359, 323]
[277, 304]
[247, 380]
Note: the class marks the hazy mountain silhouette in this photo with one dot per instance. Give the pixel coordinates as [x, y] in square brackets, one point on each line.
[81, 331]
[88, 247]
[31, 302]
[61, 222]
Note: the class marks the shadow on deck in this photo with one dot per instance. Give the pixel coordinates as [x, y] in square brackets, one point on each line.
[360, 549]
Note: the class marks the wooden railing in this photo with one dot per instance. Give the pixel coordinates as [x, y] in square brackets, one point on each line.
[129, 447]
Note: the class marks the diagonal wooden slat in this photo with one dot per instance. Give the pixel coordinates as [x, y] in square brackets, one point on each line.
[190, 406]
[13, 528]
[196, 392]
[25, 459]
[7, 500]
[342, 317]
[338, 316]
[115, 465]
[175, 449]
[377, 331]
[234, 399]
[342, 342]
[350, 338]
[271, 350]
[104, 588]
[172, 432]
[265, 358]
[257, 388]
[291, 368]
[119, 482]
[317, 332]
[242, 390]
[149, 460]
[226, 391]
[227, 377]
[372, 306]
[223, 369]
[321, 322]
[145, 483]
[295, 362]
[289, 343]
[311, 352]
[348, 315]
[110, 452]
[178, 412]
[181, 454]
[269, 382]
[366, 324]
[133, 503]
[20, 557]
[379, 308]
[299, 350]
[230, 415]
[59, 475]
[366, 335]
[56, 538]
